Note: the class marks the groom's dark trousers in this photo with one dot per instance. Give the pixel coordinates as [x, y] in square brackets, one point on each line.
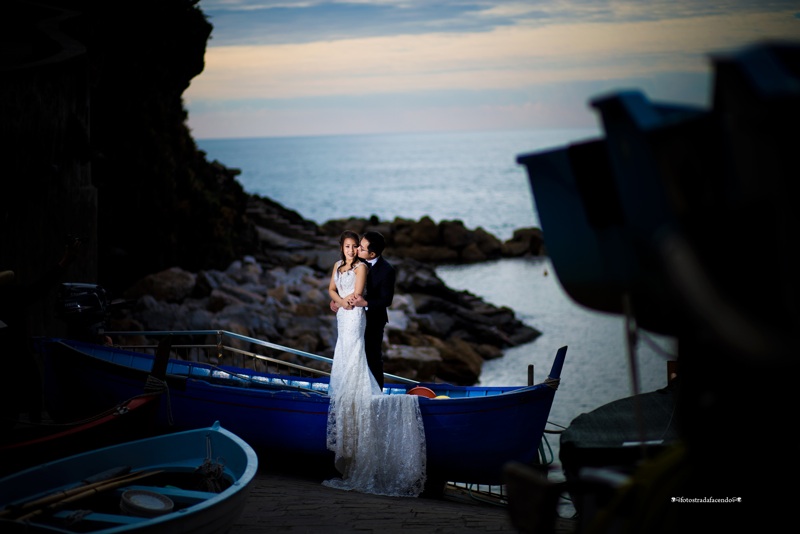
[380, 292]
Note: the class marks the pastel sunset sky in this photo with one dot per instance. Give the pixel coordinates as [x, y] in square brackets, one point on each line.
[321, 67]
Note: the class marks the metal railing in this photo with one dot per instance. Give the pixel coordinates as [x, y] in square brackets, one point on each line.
[225, 344]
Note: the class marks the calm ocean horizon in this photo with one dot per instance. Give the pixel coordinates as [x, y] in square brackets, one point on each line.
[472, 177]
[467, 176]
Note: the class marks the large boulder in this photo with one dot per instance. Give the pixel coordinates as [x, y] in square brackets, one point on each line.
[171, 285]
[417, 363]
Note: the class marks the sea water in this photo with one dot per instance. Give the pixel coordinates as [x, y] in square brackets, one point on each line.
[472, 177]
[601, 361]
[467, 176]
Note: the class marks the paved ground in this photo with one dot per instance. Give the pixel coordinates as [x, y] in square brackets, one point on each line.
[279, 502]
[288, 496]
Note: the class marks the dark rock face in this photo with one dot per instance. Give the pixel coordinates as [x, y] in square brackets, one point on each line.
[94, 125]
[47, 191]
[99, 147]
[160, 202]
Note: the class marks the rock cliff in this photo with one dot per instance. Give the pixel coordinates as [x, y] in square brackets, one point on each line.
[99, 147]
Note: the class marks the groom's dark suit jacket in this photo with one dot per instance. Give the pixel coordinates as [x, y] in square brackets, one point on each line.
[379, 293]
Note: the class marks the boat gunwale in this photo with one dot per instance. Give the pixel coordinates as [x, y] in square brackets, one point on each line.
[246, 376]
[448, 418]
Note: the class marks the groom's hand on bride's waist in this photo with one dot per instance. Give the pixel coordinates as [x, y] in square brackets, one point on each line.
[357, 300]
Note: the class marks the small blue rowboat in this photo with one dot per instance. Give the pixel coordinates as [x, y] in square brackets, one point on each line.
[470, 431]
[192, 481]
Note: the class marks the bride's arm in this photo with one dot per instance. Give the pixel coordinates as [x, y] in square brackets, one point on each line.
[334, 293]
[361, 281]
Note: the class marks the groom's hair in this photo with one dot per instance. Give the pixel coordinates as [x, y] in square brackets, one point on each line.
[376, 241]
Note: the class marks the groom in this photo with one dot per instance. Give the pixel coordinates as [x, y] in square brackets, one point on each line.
[379, 292]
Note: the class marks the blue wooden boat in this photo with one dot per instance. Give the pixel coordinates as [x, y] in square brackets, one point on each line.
[471, 431]
[133, 418]
[194, 481]
[582, 218]
[605, 205]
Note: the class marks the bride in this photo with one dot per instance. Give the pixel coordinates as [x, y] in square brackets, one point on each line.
[378, 440]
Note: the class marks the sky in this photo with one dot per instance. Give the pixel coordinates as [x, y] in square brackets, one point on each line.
[276, 68]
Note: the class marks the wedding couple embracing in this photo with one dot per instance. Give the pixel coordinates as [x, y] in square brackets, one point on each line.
[378, 440]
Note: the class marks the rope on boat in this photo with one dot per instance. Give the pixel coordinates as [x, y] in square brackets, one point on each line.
[542, 454]
[211, 471]
[220, 346]
[157, 385]
[76, 516]
[154, 384]
[552, 382]
[562, 427]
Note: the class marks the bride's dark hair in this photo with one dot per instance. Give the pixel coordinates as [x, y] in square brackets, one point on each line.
[348, 234]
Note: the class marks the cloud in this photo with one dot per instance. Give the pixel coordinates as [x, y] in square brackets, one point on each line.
[253, 22]
[248, 22]
[455, 60]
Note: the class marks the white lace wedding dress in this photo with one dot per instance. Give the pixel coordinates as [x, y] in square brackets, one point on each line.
[378, 440]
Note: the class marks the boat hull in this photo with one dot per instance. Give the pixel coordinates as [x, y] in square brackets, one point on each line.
[178, 454]
[469, 436]
[127, 420]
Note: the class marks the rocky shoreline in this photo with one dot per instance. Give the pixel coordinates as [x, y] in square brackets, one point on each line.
[279, 293]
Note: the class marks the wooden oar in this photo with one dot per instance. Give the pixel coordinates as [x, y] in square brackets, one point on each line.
[88, 492]
[64, 495]
[108, 474]
[116, 473]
